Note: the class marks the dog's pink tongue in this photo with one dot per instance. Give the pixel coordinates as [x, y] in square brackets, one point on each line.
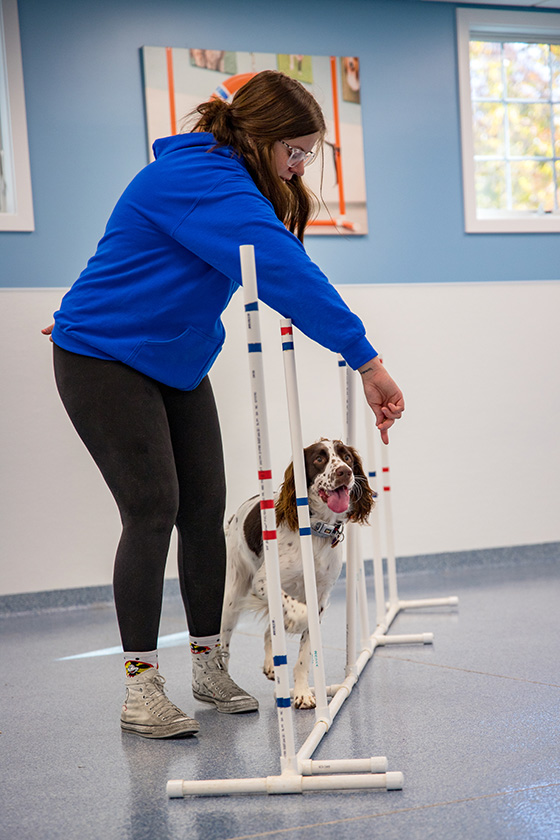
[339, 500]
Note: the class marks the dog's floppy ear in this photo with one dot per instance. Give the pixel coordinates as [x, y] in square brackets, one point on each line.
[361, 493]
[286, 505]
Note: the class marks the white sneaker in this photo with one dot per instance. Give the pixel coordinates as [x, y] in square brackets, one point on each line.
[148, 712]
[211, 683]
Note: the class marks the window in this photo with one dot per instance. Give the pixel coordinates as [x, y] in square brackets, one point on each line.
[509, 87]
[16, 208]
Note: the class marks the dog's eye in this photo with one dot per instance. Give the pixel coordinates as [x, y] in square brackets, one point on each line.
[347, 458]
[319, 459]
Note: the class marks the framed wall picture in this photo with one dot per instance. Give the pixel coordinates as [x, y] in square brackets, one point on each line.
[176, 80]
[16, 205]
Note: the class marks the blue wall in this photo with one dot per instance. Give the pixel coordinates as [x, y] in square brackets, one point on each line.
[85, 115]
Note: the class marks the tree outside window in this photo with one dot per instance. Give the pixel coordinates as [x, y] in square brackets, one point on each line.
[509, 71]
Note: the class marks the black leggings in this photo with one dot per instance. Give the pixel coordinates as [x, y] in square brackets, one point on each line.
[160, 452]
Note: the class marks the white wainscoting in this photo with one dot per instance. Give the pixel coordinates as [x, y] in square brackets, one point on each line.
[475, 463]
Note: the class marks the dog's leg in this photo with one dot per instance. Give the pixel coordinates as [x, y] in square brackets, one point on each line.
[303, 696]
[230, 616]
[268, 667]
[295, 612]
[237, 587]
[229, 620]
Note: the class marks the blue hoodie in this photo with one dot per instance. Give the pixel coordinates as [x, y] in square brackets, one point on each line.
[168, 264]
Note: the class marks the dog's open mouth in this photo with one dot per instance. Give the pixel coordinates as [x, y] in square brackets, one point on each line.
[338, 500]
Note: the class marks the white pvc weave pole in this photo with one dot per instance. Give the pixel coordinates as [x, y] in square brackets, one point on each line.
[356, 593]
[268, 516]
[372, 473]
[389, 532]
[306, 540]
[357, 562]
[351, 554]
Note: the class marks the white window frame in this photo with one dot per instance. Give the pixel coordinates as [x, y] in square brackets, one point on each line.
[18, 213]
[521, 26]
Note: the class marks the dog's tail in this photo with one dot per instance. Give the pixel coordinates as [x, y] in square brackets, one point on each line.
[256, 605]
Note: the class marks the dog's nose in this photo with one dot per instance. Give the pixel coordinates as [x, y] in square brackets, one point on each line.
[343, 474]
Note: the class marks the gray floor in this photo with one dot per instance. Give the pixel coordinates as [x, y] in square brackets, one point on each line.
[471, 721]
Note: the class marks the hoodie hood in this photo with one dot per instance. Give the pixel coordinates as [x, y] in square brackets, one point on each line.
[198, 139]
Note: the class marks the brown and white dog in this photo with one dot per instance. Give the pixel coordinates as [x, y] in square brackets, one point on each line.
[338, 492]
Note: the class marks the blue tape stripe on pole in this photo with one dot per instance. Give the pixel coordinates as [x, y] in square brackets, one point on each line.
[287, 345]
[305, 532]
[283, 702]
[255, 348]
[341, 363]
[301, 501]
[280, 660]
[251, 307]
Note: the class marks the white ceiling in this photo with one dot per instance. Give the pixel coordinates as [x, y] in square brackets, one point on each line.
[535, 4]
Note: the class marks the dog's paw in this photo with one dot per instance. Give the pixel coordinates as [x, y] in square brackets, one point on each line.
[268, 670]
[304, 699]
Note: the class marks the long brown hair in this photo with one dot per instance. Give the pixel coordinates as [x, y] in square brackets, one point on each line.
[269, 107]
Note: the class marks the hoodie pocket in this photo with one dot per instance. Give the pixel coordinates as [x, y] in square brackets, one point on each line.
[180, 362]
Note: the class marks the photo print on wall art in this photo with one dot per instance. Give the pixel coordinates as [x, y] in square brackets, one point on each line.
[177, 79]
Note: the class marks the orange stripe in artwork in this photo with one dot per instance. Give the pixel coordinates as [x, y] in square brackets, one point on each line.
[171, 89]
[336, 119]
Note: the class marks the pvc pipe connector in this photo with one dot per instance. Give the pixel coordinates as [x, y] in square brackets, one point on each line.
[409, 639]
[285, 783]
[175, 789]
[395, 780]
[375, 764]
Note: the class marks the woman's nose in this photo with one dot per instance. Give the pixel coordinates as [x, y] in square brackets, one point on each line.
[298, 168]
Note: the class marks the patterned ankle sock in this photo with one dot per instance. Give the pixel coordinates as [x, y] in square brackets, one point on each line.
[137, 661]
[204, 645]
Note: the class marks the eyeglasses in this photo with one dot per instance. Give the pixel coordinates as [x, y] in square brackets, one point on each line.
[298, 155]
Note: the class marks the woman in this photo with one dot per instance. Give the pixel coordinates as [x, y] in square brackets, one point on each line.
[137, 334]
